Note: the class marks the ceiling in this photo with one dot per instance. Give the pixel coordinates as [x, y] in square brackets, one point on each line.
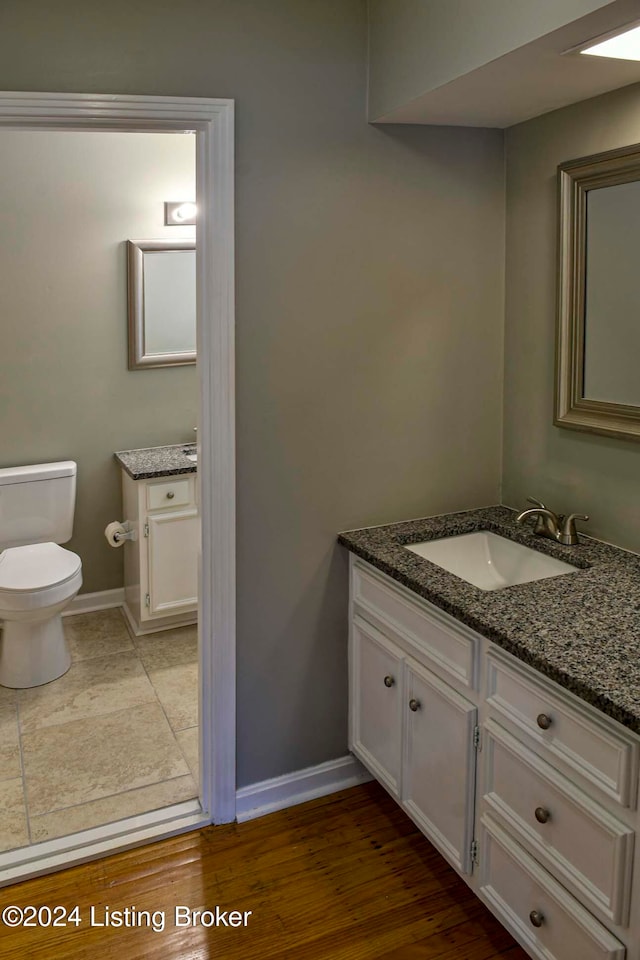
[531, 80]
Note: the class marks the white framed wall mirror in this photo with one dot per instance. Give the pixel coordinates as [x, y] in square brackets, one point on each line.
[162, 302]
[598, 331]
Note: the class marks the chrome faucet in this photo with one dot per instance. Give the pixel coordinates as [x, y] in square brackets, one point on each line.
[552, 525]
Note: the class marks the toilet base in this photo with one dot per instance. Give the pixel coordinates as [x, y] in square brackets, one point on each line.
[32, 653]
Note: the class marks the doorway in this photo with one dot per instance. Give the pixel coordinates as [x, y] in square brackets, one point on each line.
[212, 123]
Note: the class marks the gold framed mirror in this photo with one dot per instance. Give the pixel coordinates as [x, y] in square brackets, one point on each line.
[162, 303]
[598, 326]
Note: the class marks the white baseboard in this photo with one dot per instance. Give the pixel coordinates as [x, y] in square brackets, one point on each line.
[268, 796]
[88, 602]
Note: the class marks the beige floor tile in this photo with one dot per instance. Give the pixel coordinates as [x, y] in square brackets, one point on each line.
[13, 822]
[7, 694]
[85, 760]
[188, 743]
[97, 634]
[91, 688]
[177, 690]
[117, 807]
[169, 648]
[10, 765]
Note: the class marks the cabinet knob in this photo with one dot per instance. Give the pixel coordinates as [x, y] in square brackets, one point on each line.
[414, 704]
[541, 814]
[170, 495]
[537, 918]
[388, 681]
[544, 721]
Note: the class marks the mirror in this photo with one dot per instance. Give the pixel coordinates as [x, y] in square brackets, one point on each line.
[598, 342]
[162, 303]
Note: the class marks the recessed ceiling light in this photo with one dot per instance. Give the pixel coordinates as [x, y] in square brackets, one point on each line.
[624, 46]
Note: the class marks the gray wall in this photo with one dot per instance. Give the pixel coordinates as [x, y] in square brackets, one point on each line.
[570, 470]
[69, 202]
[418, 45]
[369, 313]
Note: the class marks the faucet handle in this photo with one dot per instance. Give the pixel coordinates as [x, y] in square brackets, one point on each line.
[537, 503]
[569, 534]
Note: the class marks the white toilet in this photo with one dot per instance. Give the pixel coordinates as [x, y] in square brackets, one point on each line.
[38, 578]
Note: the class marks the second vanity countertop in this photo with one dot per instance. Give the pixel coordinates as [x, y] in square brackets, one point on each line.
[580, 629]
[155, 462]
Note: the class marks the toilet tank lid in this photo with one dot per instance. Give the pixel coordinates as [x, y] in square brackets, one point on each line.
[38, 471]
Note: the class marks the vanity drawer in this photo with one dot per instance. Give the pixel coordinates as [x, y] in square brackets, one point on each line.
[453, 649]
[542, 915]
[574, 837]
[564, 730]
[169, 493]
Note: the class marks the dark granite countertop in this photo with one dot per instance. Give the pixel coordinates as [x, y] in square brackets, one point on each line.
[156, 462]
[581, 629]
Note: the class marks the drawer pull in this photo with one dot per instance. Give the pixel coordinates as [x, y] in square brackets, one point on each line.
[389, 681]
[542, 815]
[544, 721]
[414, 705]
[537, 919]
[170, 494]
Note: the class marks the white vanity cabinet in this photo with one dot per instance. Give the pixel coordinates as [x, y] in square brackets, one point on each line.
[377, 680]
[557, 818]
[413, 730]
[548, 922]
[161, 563]
[439, 763]
[529, 792]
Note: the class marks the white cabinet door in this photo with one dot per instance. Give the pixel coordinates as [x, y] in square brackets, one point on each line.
[376, 704]
[173, 562]
[439, 763]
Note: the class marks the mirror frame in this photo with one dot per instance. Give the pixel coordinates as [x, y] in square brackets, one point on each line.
[575, 179]
[138, 359]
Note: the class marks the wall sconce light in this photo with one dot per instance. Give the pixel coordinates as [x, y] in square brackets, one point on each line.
[179, 213]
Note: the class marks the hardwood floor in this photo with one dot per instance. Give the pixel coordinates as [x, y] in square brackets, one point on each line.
[347, 877]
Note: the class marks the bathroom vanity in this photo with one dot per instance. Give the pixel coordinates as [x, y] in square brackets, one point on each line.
[159, 495]
[506, 723]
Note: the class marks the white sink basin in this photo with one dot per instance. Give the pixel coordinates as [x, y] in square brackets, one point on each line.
[489, 561]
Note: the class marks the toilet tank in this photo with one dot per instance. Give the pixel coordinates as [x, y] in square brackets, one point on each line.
[37, 503]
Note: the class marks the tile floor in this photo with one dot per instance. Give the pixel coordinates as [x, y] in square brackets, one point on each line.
[116, 736]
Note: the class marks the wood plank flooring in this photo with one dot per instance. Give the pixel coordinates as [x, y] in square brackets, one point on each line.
[346, 877]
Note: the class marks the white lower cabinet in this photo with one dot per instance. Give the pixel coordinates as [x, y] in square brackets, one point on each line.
[376, 704]
[172, 561]
[161, 561]
[527, 791]
[590, 850]
[438, 781]
[416, 735]
[547, 920]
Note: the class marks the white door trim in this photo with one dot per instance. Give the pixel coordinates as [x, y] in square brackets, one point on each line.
[213, 122]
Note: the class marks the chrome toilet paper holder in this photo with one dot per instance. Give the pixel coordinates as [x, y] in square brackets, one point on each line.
[128, 534]
[117, 532]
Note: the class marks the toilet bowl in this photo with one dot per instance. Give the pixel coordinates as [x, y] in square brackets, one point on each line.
[37, 581]
[38, 577]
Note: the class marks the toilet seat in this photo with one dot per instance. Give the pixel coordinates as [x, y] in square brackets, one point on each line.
[36, 566]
